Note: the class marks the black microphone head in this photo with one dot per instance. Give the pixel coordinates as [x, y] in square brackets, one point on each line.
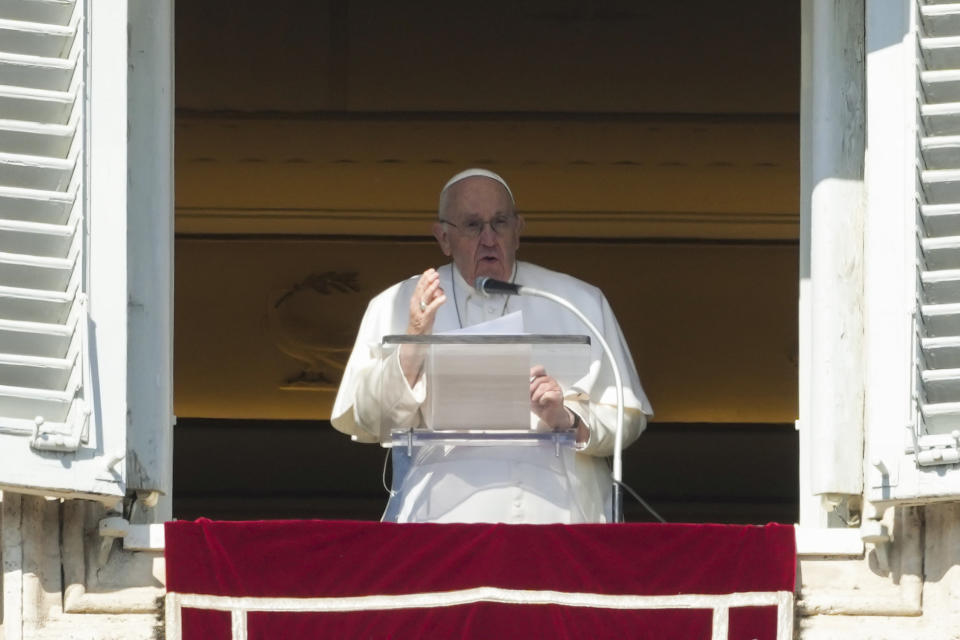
[489, 285]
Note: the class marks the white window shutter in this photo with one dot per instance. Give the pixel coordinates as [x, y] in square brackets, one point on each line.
[938, 381]
[58, 433]
[914, 455]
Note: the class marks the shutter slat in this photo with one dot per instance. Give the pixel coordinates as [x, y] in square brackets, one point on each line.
[36, 372]
[36, 205]
[941, 186]
[940, 53]
[59, 12]
[941, 319]
[939, 152]
[35, 338]
[941, 287]
[941, 219]
[36, 105]
[26, 404]
[35, 272]
[942, 416]
[35, 172]
[941, 86]
[36, 139]
[941, 385]
[940, 20]
[36, 38]
[941, 118]
[36, 72]
[942, 353]
[35, 305]
[941, 253]
[34, 238]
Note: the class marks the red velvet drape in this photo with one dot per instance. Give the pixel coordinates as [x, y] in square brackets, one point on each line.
[342, 559]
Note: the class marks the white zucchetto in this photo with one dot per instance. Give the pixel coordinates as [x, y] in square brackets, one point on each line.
[470, 173]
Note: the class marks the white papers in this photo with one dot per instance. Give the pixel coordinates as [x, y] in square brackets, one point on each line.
[510, 324]
[482, 385]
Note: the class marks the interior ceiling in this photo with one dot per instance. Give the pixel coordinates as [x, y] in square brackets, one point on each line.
[499, 56]
[618, 122]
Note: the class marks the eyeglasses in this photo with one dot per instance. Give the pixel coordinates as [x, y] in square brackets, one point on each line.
[500, 225]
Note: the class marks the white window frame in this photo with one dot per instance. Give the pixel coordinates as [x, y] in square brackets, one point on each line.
[830, 350]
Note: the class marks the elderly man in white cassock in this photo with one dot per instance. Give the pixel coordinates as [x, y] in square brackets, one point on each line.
[478, 228]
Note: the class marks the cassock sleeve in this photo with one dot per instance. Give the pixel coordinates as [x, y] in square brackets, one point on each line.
[374, 394]
[594, 397]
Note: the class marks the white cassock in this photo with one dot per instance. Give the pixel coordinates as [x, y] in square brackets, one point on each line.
[520, 484]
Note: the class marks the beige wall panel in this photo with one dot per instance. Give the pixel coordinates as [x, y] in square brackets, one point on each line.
[699, 178]
[712, 326]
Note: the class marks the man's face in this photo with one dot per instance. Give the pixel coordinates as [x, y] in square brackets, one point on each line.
[471, 203]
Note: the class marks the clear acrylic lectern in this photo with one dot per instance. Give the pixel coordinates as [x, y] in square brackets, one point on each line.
[473, 391]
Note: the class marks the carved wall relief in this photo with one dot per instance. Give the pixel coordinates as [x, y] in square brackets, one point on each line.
[305, 321]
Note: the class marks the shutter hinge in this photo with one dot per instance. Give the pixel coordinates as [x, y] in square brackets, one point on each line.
[932, 450]
[63, 442]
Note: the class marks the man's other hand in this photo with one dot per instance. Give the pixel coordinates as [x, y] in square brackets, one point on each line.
[546, 400]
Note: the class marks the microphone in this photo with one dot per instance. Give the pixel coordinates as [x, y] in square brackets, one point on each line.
[490, 286]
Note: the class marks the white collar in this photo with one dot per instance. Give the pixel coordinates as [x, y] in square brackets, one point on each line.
[467, 287]
[467, 292]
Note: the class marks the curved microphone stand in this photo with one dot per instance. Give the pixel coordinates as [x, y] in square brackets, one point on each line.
[489, 285]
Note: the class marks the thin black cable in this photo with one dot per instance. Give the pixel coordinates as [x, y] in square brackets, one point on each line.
[641, 501]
